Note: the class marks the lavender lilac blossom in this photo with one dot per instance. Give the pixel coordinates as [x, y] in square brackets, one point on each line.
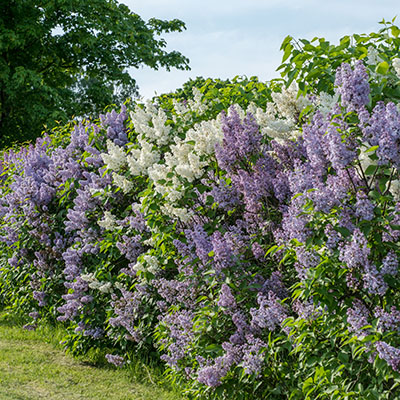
[353, 85]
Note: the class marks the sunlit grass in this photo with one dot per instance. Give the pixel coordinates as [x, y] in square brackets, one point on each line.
[32, 367]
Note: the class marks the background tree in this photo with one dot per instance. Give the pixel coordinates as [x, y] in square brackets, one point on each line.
[65, 58]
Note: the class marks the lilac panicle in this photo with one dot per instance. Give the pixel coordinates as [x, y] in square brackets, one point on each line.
[241, 139]
[382, 128]
[373, 280]
[270, 313]
[364, 207]
[390, 264]
[118, 361]
[314, 143]
[355, 254]
[226, 299]
[357, 318]
[253, 357]
[388, 321]
[389, 353]
[353, 85]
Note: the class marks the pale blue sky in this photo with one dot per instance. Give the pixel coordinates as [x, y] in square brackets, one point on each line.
[242, 37]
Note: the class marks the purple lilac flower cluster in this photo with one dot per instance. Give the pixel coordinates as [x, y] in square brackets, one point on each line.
[353, 85]
[389, 353]
[357, 318]
[118, 361]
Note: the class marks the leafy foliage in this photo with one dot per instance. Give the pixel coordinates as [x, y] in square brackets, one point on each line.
[60, 59]
[313, 63]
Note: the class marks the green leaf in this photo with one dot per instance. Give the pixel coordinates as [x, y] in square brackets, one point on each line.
[344, 231]
[285, 42]
[373, 148]
[395, 31]
[287, 52]
[370, 170]
[382, 68]
[382, 183]
[212, 348]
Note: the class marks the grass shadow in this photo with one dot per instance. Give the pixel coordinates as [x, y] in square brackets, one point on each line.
[10, 320]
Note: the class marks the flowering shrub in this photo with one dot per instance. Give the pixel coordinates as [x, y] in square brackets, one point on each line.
[250, 242]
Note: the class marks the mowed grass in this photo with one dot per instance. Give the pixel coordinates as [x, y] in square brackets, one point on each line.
[32, 367]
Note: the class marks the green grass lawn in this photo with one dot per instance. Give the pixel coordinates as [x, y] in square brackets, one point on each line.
[32, 367]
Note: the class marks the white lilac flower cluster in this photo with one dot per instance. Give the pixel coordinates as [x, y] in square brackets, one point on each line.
[280, 118]
[186, 159]
[94, 283]
[108, 222]
[142, 157]
[123, 183]
[189, 156]
[288, 103]
[373, 56]
[396, 66]
[394, 189]
[149, 123]
[197, 104]
[115, 159]
[325, 102]
[147, 262]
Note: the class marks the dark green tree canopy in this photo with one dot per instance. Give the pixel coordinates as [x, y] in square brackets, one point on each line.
[65, 58]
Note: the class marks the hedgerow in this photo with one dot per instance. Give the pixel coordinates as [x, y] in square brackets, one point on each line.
[244, 233]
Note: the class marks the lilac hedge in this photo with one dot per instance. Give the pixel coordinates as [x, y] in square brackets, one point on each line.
[251, 246]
